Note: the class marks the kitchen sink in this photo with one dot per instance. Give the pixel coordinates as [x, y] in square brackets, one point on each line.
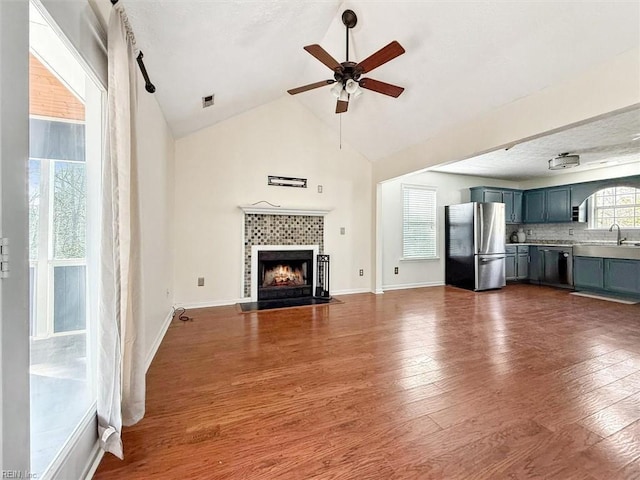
[607, 251]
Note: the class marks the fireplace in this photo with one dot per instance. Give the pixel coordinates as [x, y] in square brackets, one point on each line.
[285, 274]
[283, 271]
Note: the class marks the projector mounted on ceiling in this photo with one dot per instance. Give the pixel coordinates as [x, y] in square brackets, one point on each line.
[564, 160]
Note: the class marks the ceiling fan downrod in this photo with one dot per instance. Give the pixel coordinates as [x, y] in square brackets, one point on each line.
[350, 20]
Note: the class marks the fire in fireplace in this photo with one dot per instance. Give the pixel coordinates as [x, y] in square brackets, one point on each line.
[285, 274]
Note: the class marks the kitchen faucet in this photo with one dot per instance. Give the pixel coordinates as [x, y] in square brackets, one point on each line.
[619, 240]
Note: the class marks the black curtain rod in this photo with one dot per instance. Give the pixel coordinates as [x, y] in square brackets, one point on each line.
[148, 86]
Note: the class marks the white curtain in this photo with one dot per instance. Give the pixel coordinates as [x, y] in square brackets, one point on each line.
[121, 372]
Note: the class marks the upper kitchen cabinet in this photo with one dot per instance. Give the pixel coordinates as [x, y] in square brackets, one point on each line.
[512, 200]
[548, 205]
[534, 206]
[559, 204]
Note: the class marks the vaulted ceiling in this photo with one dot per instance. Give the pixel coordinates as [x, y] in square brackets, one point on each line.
[463, 58]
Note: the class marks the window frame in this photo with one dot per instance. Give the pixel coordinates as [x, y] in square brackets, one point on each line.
[592, 208]
[434, 190]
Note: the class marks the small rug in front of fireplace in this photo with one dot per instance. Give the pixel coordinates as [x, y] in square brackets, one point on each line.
[284, 303]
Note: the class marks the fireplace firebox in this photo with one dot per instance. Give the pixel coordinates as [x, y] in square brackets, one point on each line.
[285, 274]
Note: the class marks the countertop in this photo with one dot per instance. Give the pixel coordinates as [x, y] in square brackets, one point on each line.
[542, 244]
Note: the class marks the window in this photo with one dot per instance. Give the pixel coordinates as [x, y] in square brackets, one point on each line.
[418, 222]
[619, 205]
[65, 158]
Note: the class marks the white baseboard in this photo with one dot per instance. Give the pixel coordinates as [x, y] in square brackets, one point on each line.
[94, 461]
[350, 291]
[379, 292]
[158, 340]
[213, 303]
[403, 286]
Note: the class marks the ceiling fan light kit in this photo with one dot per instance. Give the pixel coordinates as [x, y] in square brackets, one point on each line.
[351, 86]
[347, 75]
[564, 160]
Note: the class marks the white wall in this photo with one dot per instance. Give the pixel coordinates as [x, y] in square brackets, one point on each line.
[156, 157]
[226, 165]
[451, 189]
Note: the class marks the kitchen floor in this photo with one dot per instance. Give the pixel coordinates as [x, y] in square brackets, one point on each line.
[430, 383]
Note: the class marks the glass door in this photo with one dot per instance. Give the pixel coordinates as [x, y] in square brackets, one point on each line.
[65, 146]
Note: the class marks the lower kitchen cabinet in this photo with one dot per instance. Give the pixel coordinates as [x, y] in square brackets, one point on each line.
[534, 264]
[510, 266]
[517, 262]
[622, 276]
[587, 272]
[523, 265]
[612, 275]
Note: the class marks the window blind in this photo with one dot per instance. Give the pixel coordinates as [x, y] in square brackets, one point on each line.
[418, 222]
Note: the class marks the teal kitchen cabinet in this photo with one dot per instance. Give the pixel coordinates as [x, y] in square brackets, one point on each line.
[510, 262]
[558, 203]
[547, 205]
[622, 276]
[588, 272]
[523, 263]
[534, 264]
[534, 206]
[517, 262]
[512, 200]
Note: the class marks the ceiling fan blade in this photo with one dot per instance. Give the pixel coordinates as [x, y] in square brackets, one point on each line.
[311, 86]
[342, 106]
[322, 55]
[381, 87]
[382, 56]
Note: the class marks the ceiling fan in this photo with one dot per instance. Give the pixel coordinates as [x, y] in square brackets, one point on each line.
[347, 75]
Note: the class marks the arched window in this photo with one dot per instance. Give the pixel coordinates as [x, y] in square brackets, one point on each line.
[619, 205]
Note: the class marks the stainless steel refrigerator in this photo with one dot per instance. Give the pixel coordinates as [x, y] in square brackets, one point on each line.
[475, 245]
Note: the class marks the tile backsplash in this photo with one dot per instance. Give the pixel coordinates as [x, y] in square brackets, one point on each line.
[560, 231]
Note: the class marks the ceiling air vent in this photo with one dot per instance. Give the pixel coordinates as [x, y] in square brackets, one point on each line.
[564, 160]
[207, 101]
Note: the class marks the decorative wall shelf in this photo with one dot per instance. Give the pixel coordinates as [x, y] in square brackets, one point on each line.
[269, 210]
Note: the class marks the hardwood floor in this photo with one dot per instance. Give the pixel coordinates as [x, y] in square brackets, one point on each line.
[442, 383]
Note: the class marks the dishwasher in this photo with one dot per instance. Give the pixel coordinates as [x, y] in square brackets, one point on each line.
[556, 267]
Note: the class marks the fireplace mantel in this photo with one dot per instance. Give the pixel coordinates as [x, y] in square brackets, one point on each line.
[269, 210]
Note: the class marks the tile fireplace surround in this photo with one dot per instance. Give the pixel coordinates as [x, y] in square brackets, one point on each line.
[266, 229]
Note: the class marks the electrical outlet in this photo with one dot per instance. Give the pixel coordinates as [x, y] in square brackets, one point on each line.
[319, 188]
[361, 272]
[529, 232]
[342, 230]
[395, 270]
[201, 281]
[571, 231]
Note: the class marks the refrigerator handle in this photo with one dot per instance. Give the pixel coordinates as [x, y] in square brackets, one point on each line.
[480, 221]
[484, 260]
